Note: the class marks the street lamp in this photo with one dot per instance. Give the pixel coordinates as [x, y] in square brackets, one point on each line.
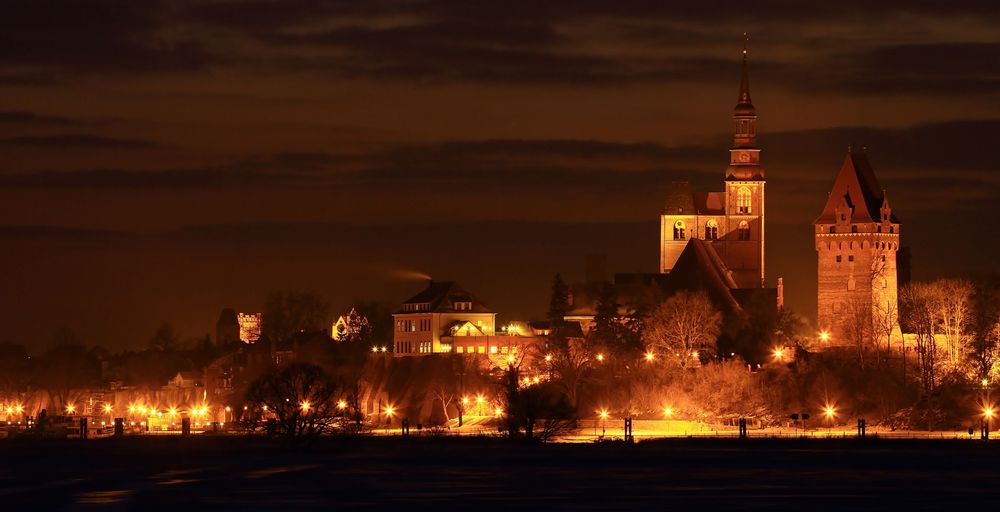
[305, 405]
[778, 353]
[603, 415]
[600, 358]
[667, 411]
[824, 336]
[650, 356]
[70, 408]
[830, 412]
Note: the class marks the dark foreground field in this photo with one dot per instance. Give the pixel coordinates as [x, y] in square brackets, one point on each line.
[482, 474]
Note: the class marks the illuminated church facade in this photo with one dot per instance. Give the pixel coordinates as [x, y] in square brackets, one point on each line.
[730, 222]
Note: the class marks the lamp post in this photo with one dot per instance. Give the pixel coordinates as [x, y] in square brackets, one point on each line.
[830, 412]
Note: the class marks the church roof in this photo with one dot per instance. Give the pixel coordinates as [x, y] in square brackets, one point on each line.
[710, 203]
[679, 199]
[442, 296]
[857, 185]
[699, 267]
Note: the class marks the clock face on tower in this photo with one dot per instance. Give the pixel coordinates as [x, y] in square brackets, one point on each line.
[742, 157]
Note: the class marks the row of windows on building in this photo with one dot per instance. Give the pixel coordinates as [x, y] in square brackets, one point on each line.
[854, 229]
[418, 306]
[883, 246]
[422, 325]
[481, 349]
[850, 258]
[712, 230]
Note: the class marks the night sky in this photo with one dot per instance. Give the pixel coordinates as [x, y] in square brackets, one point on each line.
[162, 160]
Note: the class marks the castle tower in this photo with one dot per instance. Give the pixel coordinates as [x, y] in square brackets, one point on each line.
[732, 221]
[857, 236]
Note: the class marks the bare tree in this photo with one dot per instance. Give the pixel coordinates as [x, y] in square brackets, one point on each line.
[885, 320]
[301, 397]
[686, 325]
[954, 316]
[570, 369]
[857, 325]
[918, 316]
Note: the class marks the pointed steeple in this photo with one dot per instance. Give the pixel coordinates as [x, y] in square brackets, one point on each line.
[744, 155]
[744, 103]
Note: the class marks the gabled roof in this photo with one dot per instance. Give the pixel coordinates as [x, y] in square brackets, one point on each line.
[441, 298]
[699, 267]
[856, 185]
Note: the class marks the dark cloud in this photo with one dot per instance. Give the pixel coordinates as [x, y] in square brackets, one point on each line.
[22, 118]
[78, 141]
[96, 36]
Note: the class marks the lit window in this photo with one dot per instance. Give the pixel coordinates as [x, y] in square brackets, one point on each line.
[460, 349]
[482, 349]
[743, 200]
[679, 230]
[712, 230]
[493, 349]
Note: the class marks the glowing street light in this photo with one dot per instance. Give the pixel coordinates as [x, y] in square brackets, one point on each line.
[830, 412]
[778, 353]
[390, 410]
[465, 400]
[600, 358]
[341, 405]
[70, 408]
[988, 413]
[305, 405]
[498, 412]
[650, 356]
[667, 411]
[824, 336]
[173, 412]
[107, 408]
[548, 358]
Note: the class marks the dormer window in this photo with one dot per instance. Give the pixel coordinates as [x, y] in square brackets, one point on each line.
[463, 306]
[854, 229]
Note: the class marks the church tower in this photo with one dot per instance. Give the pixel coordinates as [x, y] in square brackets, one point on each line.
[857, 237]
[731, 221]
[745, 193]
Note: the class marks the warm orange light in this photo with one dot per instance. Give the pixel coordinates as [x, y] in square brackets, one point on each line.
[600, 357]
[778, 352]
[603, 414]
[70, 408]
[107, 408]
[341, 405]
[498, 411]
[465, 400]
[480, 399]
[390, 410]
[173, 411]
[650, 356]
[19, 408]
[548, 358]
[305, 405]
[824, 336]
[830, 412]
[535, 379]
[667, 411]
[988, 412]
[374, 349]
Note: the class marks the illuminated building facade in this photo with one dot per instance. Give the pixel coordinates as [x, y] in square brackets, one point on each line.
[349, 327]
[249, 327]
[443, 309]
[730, 222]
[857, 237]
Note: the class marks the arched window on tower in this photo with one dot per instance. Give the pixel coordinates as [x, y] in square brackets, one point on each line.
[712, 230]
[679, 230]
[744, 231]
[743, 200]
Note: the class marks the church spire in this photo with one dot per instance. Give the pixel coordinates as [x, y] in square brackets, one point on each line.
[744, 104]
[744, 156]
